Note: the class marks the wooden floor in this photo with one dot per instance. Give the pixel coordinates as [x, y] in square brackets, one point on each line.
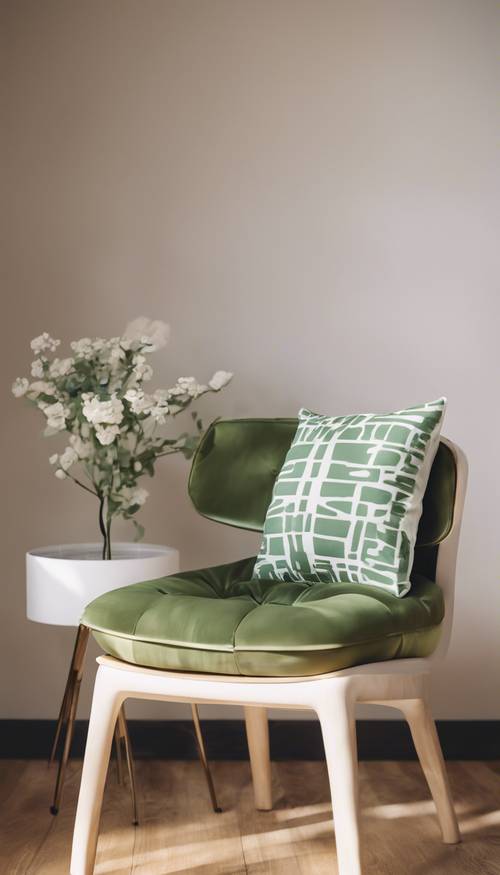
[179, 833]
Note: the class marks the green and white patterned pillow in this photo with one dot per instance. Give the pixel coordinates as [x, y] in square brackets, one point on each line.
[348, 499]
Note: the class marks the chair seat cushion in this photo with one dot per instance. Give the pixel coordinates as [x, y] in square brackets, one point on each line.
[220, 620]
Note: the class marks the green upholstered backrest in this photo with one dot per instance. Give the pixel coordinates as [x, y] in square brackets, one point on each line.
[237, 461]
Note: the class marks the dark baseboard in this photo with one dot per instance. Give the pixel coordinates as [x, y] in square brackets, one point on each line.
[290, 739]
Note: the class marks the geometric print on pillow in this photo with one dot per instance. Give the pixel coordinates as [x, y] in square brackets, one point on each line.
[348, 499]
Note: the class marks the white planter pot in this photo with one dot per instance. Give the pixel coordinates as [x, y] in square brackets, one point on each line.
[61, 580]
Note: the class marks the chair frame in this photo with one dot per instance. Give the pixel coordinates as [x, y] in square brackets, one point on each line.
[399, 683]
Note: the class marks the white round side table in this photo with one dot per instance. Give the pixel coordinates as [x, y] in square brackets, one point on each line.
[61, 580]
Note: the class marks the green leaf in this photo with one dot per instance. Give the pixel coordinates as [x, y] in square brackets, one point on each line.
[113, 506]
[139, 531]
[49, 399]
[124, 457]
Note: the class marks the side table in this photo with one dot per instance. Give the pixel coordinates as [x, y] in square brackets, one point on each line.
[60, 581]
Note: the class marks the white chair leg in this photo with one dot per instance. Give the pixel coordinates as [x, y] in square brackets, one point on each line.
[426, 741]
[260, 760]
[106, 704]
[338, 727]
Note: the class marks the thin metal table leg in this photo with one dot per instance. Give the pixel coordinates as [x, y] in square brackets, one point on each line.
[124, 734]
[73, 690]
[118, 750]
[67, 716]
[63, 716]
[203, 758]
[68, 692]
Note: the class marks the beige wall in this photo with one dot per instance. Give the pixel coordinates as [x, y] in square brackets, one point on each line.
[306, 190]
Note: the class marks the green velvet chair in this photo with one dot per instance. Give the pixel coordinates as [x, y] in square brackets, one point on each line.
[216, 635]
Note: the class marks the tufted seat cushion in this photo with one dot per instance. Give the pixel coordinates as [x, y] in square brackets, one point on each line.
[220, 620]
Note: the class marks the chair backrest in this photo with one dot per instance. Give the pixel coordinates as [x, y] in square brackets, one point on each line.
[238, 460]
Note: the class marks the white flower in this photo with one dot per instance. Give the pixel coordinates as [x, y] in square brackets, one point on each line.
[136, 495]
[81, 448]
[42, 342]
[219, 380]
[116, 355]
[148, 332]
[68, 458]
[106, 434]
[60, 474]
[189, 386]
[159, 413]
[184, 382]
[160, 410]
[137, 467]
[56, 416]
[132, 394]
[139, 401]
[142, 370]
[139, 496]
[59, 367]
[96, 411]
[82, 348]
[160, 395]
[41, 387]
[53, 459]
[20, 387]
[37, 368]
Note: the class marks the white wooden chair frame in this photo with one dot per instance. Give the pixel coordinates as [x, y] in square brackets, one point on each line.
[401, 684]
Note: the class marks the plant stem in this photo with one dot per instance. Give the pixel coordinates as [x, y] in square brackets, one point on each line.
[109, 519]
[79, 483]
[102, 527]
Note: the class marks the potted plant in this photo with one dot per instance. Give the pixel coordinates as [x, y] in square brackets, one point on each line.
[97, 396]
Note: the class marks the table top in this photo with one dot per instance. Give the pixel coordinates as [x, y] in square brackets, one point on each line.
[92, 552]
[62, 579]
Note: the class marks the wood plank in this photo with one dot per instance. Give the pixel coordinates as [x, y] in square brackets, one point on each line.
[117, 833]
[25, 820]
[297, 836]
[12, 773]
[179, 833]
